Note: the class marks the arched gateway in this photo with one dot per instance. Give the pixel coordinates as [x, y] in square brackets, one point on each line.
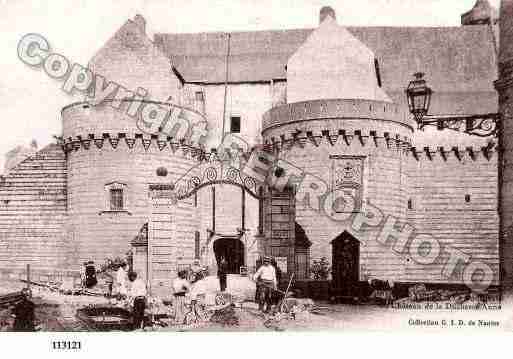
[171, 246]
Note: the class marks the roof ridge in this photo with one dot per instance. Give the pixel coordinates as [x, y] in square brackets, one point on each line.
[463, 28]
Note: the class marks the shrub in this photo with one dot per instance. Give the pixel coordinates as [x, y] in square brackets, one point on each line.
[320, 269]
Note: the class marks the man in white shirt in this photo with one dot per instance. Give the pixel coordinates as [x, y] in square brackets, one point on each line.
[265, 277]
[137, 293]
[121, 278]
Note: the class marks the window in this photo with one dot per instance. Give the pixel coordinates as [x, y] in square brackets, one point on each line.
[235, 124]
[199, 96]
[467, 198]
[116, 199]
[197, 245]
[410, 204]
[378, 74]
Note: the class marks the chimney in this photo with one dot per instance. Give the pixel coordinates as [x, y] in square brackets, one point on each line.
[325, 12]
[482, 13]
[139, 21]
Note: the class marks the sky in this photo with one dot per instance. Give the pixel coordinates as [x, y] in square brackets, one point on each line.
[30, 102]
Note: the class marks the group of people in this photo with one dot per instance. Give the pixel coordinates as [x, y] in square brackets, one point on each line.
[88, 275]
[128, 286]
[266, 277]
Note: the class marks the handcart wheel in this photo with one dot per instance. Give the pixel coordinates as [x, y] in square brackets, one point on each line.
[190, 318]
[220, 299]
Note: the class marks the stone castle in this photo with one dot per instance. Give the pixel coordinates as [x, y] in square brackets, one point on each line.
[328, 100]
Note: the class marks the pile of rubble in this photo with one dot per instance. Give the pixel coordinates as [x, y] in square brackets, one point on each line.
[75, 307]
[419, 293]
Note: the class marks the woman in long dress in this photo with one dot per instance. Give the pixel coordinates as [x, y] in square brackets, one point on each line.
[180, 287]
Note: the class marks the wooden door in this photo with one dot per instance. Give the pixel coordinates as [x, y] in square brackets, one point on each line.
[345, 265]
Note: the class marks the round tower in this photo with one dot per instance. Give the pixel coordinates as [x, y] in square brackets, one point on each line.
[111, 164]
[342, 130]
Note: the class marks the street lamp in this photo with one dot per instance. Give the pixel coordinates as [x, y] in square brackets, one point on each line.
[418, 94]
[419, 97]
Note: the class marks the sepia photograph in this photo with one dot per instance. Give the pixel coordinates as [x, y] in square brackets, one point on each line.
[255, 166]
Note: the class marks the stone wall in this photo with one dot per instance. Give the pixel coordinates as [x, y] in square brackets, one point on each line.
[454, 198]
[249, 101]
[33, 213]
[504, 86]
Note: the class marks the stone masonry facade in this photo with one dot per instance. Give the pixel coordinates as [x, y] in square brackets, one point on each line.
[56, 206]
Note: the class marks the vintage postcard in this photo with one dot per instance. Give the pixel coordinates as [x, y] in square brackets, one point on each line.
[256, 166]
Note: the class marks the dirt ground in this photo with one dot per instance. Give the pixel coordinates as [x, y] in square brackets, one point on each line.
[54, 312]
[57, 312]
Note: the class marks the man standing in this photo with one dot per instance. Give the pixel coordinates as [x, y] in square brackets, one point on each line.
[222, 271]
[137, 294]
[276, 297]
[121, 278]
[196, 270]
[265, 277]
[23, 312]
[83, 274]
[90, 275]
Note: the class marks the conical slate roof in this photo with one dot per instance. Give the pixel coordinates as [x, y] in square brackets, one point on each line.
[333, 64]
[481, 13]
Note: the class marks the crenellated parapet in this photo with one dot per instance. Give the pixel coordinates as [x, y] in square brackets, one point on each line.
[363, 137]
[131, 118]
[132, 142]
[369, 124]
[461, 154]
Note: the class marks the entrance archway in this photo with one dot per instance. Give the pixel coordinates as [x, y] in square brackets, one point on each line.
[345, 264]
[232, 249]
